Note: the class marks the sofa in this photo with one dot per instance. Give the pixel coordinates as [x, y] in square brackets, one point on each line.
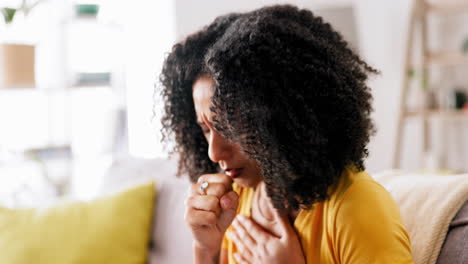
[171, 239]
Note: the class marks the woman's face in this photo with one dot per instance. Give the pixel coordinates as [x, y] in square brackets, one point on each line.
[228, 155]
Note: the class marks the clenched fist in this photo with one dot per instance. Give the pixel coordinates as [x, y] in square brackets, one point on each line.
[209, 212]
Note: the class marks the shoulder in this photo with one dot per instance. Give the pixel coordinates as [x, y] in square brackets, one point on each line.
[358, 190]
[359, 199]
[354, 186]
[364, 218]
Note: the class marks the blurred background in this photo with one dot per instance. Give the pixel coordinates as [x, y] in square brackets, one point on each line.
[78, 82]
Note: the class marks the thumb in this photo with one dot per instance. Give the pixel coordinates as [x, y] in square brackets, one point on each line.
[229, 203]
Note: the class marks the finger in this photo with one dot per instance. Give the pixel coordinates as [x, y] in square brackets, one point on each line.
[198, 218]
[240, 259]
[229, 203]
[218, 177]
[214, 188]
[243, 250]
[247, 239]
[254, 229]
[205, 203]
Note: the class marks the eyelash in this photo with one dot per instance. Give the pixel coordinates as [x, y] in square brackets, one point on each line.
[205, 130]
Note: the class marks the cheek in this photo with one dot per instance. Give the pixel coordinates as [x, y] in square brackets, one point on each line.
[255, 169]
[258, 171]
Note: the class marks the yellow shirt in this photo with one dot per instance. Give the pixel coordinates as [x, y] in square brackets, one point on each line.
[359, 224]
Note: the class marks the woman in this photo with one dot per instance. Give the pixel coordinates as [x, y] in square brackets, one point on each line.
[271, 117]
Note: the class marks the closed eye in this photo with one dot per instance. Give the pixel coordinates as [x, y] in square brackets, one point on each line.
[205, 129]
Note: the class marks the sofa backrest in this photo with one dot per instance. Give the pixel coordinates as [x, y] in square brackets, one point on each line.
[171, 237]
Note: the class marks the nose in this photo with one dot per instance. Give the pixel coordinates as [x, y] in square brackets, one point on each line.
[219, 148]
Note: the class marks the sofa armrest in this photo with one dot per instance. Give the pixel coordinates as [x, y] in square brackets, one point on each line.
[455, 247]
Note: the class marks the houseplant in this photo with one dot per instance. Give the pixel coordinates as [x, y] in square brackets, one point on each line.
[10, 12]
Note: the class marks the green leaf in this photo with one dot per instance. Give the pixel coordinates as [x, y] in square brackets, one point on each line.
[8, 14]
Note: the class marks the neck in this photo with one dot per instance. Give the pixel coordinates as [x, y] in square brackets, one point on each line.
[264, 205]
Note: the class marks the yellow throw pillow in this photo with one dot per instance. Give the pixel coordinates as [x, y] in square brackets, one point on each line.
[114, 229]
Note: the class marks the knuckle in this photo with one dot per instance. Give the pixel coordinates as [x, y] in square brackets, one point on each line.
[189, 201]
[232, 194]
[227, 180]
[211, 203]
[188, 216]
[217, 189]
[202, 178]
[194, 188]
[212, 200]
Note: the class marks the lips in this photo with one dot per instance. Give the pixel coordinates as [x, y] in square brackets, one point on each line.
[233, 173]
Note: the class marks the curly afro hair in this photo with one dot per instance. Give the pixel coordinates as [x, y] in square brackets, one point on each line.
[288, 89]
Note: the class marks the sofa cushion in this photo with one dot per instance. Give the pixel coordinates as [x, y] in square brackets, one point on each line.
[113, 229]
[428, 203]
[455, 247]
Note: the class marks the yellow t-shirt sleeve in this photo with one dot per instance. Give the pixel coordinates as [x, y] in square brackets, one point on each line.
[369, 227]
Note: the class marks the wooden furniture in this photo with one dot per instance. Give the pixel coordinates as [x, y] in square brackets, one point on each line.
[418, 28]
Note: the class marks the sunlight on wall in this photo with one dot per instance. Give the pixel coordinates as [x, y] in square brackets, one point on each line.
[150, 33]
[22, 112]
[94, 118]
[57, 113]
